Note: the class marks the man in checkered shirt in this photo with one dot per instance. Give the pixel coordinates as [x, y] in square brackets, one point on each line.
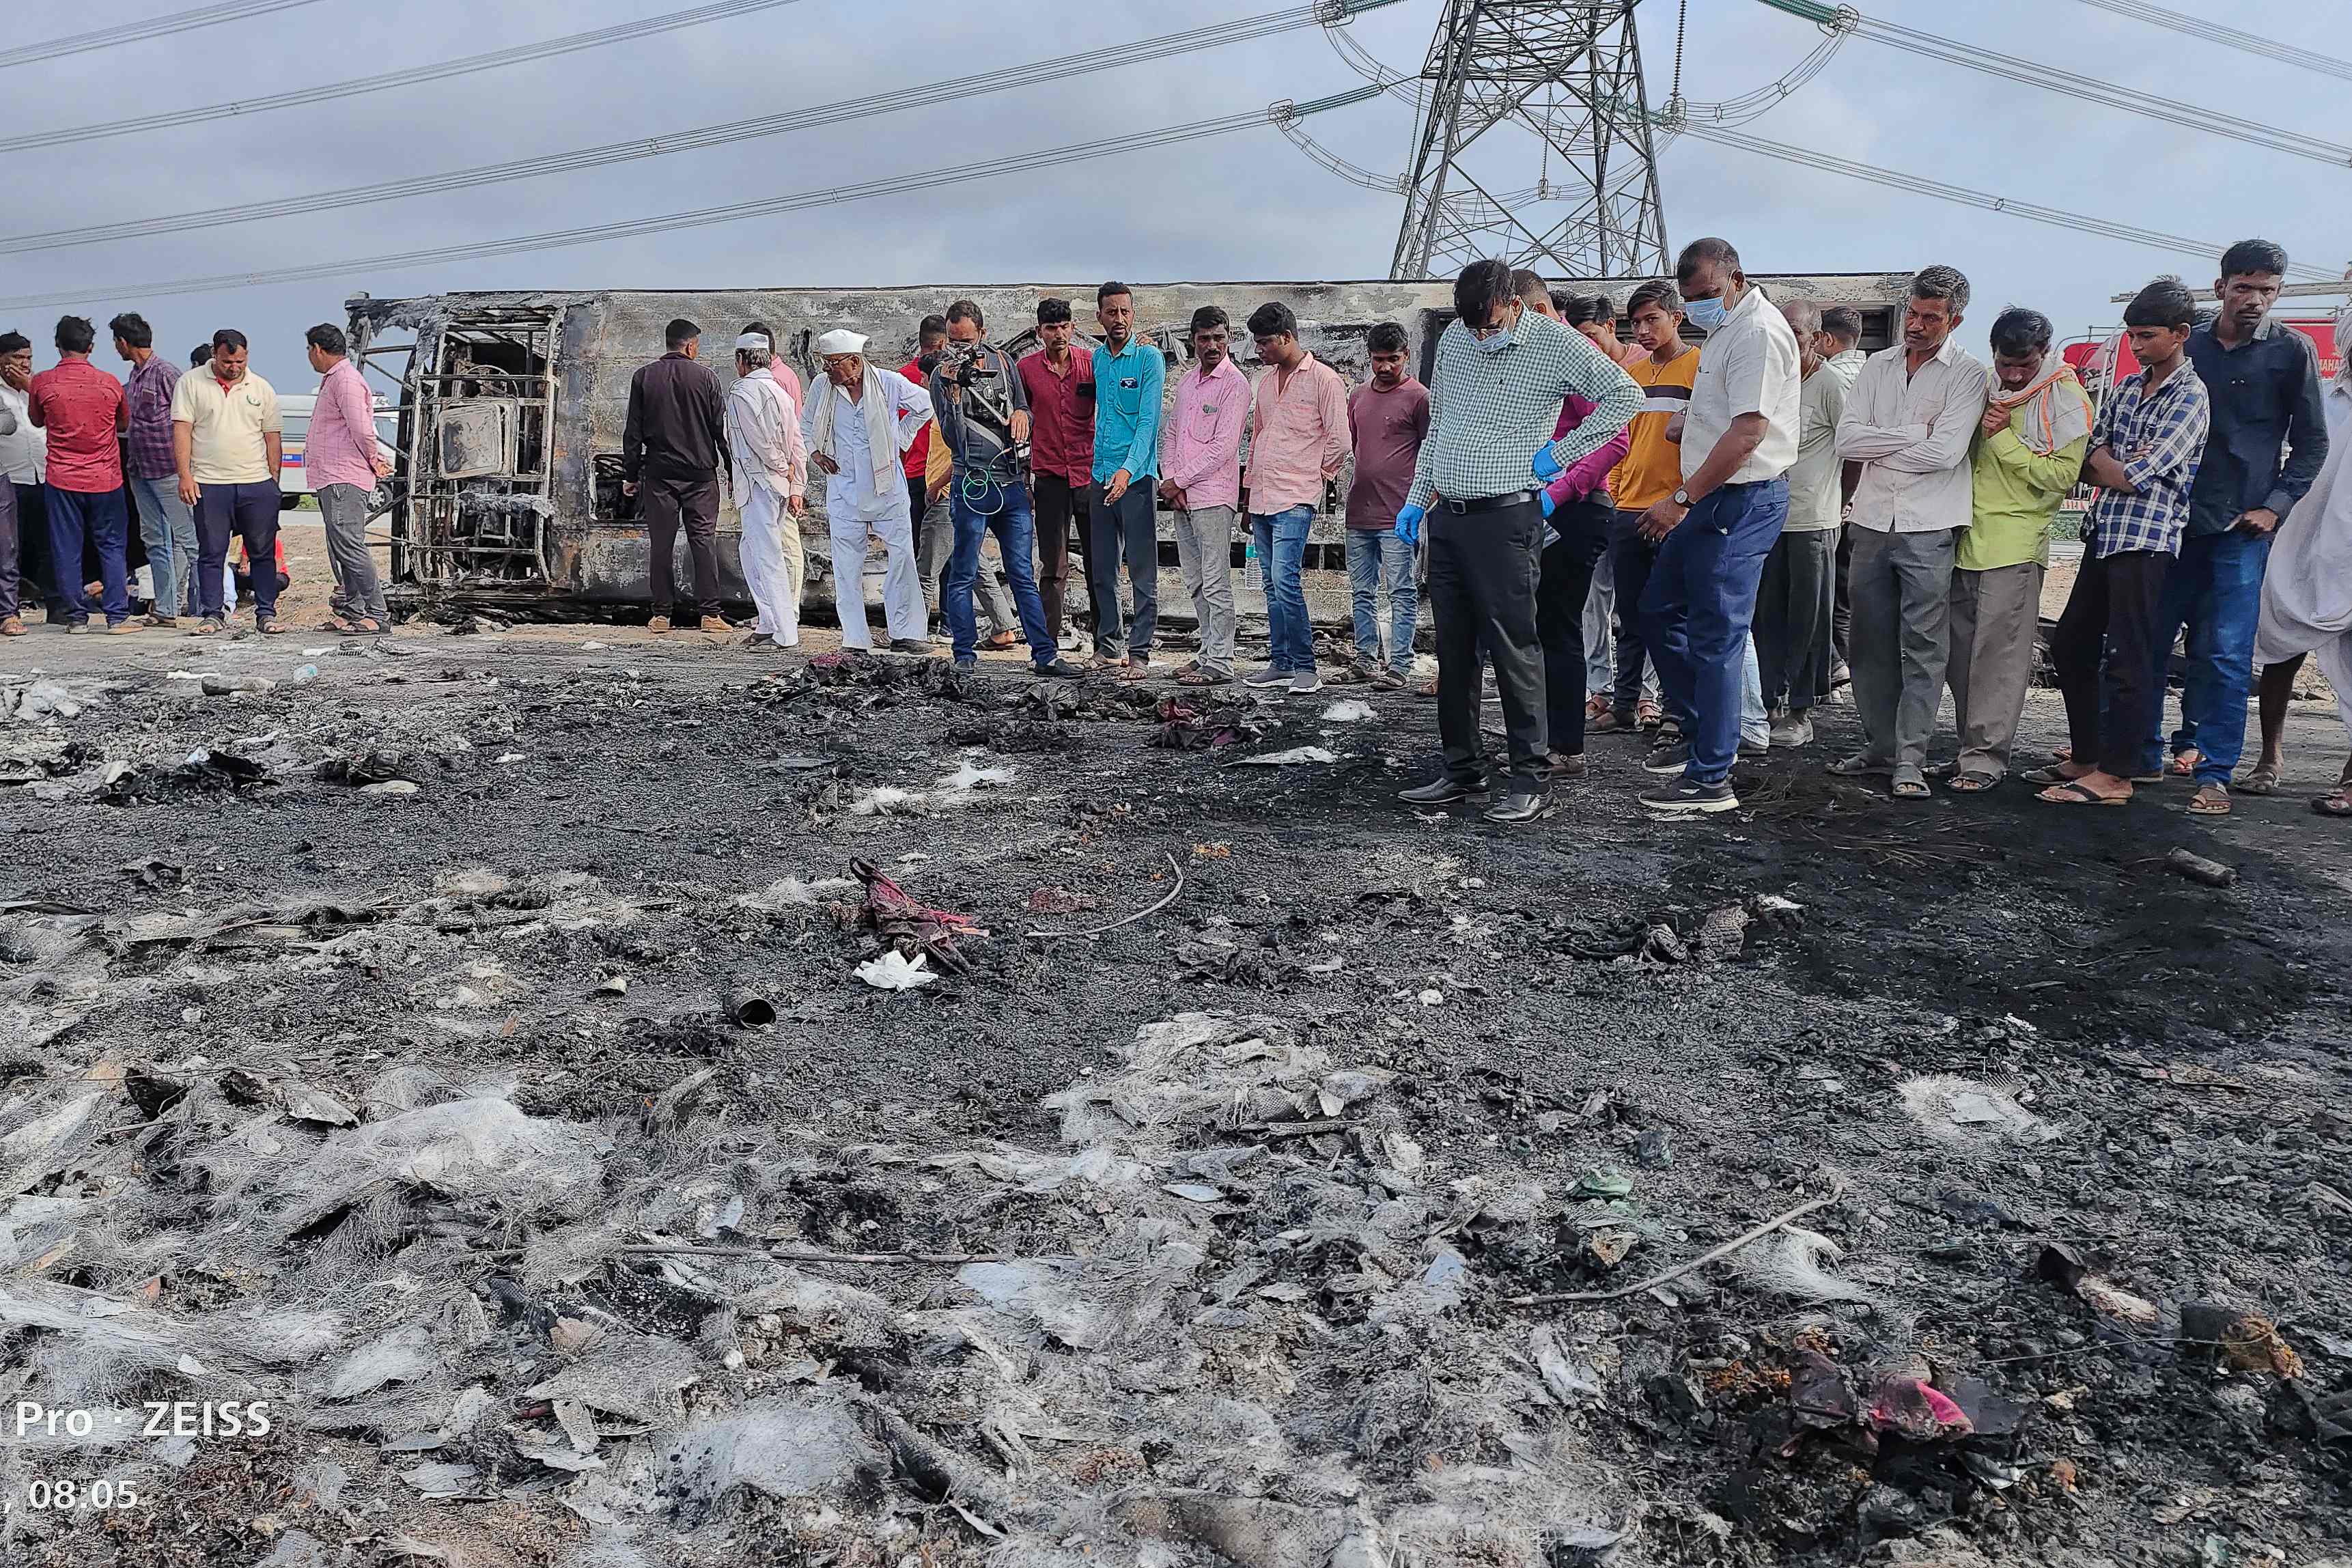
[1502, 374]
[2146, 445]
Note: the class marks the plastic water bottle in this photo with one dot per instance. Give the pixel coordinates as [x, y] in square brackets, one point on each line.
[305, 675]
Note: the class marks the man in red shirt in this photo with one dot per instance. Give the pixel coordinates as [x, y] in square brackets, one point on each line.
[81, 408]
[1061, 388]
[931, 338]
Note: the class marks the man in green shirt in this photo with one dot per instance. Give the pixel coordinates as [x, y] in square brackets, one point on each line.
[2026, 454]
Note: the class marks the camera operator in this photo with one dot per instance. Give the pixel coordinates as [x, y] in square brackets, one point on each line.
[983, 417]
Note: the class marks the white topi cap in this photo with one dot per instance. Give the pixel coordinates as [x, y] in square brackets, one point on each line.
[754, 340]
[840, 341]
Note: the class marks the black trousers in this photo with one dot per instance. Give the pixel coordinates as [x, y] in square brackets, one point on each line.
[1563, 583]
[1842, 602]
[36, 578]
[1059, 504]
[1793, 605]
[693, 504]
[2111, 617]
[1482, 572]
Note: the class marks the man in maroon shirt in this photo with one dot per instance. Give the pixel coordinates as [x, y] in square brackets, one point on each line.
[1061, 388]
[82, 409]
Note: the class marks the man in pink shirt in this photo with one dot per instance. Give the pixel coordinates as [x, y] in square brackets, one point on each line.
[1201, 479]
[82, 409]
[341, 457]
[1299, 443]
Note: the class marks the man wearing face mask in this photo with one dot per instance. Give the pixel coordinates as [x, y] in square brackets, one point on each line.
[1714, 533]
[1502, 375]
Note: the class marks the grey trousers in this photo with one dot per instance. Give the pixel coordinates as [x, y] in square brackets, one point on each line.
[1996, 617]
[1126, 528]
[8, 550]
[1901, 591]
[1204, 551]
[167, 526]
[1792, 618]
[359, 591]
[931, 551]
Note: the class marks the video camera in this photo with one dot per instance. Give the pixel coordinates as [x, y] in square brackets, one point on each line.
[964, 364]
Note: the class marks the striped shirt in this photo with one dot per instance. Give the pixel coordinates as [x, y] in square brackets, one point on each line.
[1493, 406]
[2160, 439]
[1653, 466]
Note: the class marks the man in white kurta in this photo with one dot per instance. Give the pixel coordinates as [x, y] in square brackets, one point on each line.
[2308, 603]
[763, 432]
[859, 423]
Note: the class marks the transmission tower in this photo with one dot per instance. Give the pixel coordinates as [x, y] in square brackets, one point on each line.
[1570, 73]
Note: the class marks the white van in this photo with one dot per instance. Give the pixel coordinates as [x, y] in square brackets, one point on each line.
[294, 412]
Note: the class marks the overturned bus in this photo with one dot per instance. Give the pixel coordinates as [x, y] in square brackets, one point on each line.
[507, 488]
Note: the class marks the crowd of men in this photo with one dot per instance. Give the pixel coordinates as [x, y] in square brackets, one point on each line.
[1691, 545]
[195, 455]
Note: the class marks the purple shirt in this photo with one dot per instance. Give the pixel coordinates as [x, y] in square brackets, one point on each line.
[148, 392]
[1201, 449]
[1389, 427]
[339, 449]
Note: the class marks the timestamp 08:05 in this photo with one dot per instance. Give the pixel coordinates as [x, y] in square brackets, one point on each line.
[46, 1496]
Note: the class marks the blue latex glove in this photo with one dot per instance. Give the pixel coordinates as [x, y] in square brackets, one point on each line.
[1408, 523]
[1549, 504]
[1546, 466]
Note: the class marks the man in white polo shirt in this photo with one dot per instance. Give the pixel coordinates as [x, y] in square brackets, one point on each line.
[1739, 440]
[225, 442]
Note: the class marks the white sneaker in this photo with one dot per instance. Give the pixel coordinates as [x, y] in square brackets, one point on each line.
[1267, 676]
[1306, 682]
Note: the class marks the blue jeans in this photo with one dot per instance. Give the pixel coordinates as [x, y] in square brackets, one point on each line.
[1281, 556]
[1378, 559]
[168, 526]
[1006, 508]
[2216, 589]
[98, 516]
[1696, 613]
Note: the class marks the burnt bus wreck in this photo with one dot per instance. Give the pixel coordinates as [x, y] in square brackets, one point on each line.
[506, 489]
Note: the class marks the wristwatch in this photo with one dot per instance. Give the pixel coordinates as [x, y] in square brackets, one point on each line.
[1682, 499]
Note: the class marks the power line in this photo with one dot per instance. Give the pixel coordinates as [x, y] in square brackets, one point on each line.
[153, 28]
[1921, 186]
[546, 49]
[2049, 78]
[2228, 38]
[832, 195]
[1243, 30]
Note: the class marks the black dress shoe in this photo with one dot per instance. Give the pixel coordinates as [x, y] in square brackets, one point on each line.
[1442, 791]
[1519, 806]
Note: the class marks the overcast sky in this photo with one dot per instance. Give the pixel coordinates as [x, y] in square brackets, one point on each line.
[1242, 206]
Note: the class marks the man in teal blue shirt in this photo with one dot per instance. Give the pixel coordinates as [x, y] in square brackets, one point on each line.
[1127, 380]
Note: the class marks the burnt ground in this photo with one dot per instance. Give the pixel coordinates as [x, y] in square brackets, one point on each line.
[2168, 1098]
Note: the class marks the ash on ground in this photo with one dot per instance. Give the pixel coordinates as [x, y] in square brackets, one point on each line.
[709, 1112]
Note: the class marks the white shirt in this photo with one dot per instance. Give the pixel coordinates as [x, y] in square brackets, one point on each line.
[1748, 365]
[25, 451]
[2337, 401]
[1848, 363]
[860, 489]
[763, 432]
[1911, 433]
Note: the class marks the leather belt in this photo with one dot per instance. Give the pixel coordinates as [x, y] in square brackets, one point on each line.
[1490, 503]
